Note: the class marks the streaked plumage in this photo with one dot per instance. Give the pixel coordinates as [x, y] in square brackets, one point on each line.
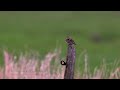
[70, 41]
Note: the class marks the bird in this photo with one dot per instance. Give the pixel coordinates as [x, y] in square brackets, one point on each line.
[70, 41]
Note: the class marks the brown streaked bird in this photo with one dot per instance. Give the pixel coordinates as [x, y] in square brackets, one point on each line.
[70, 41]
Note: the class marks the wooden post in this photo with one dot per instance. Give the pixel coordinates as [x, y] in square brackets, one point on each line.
[70, 60]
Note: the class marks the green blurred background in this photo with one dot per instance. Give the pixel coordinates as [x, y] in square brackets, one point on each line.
[98, 32]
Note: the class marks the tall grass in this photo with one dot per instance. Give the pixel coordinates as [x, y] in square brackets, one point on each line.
[26, 67]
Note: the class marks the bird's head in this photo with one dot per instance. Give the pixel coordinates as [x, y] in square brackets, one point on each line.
[69, 40]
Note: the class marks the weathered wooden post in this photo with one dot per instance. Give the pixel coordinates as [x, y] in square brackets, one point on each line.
[70, 59]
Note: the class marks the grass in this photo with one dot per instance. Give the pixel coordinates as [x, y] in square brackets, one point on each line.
[43, 31]
[31, 67]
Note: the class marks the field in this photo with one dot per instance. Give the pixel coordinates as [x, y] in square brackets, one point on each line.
[44, 31]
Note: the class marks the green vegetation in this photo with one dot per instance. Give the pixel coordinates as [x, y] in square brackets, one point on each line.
[44, 31]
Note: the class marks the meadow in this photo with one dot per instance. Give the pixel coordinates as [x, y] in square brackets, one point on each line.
[44, 31]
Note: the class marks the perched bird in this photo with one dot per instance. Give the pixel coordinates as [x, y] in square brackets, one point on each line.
[70, 41]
